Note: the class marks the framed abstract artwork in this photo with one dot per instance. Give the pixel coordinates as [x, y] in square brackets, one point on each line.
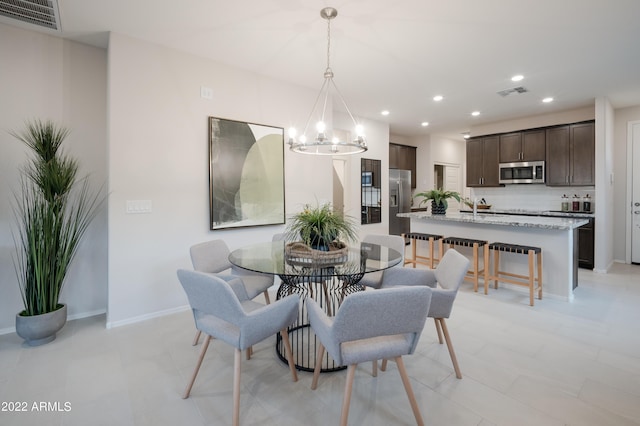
[246, 174]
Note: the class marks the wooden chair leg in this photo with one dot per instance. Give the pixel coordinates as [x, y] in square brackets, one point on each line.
[383, 367]
[236, 387]
[266, 297]
[374, 371]
[439, 330]
[316, 370]
[249, 352]
[409, 390]
[346, 401]
[195, 339]
[287, 349]
[452, 353]
[203, 351]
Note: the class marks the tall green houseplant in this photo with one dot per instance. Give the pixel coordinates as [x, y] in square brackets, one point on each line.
[53, 210]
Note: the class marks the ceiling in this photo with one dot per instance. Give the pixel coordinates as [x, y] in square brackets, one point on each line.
[398, 55]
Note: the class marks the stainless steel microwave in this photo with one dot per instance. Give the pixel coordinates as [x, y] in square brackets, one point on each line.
[525, 172]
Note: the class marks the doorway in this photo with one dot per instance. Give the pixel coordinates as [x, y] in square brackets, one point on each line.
[447, 177]
[339, 185]
[633, 193]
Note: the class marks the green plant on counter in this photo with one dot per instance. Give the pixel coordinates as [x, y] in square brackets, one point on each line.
[438, 196]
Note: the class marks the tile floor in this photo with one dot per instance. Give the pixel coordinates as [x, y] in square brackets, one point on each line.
[555, 364]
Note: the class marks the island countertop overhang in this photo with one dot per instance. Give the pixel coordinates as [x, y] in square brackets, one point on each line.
[502, 220]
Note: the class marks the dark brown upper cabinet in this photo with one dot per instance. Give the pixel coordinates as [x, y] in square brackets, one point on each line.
[571, 155]
[482, 161]
[522, 146]
[403, 157]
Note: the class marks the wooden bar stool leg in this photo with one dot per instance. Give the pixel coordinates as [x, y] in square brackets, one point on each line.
[496, 268]
[540, 275]
[486, 269]
[431, 252]
[475, 267]
[414, 244]
[531, 277]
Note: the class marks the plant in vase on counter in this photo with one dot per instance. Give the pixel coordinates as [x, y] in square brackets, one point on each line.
[321, 227]
[438, 199]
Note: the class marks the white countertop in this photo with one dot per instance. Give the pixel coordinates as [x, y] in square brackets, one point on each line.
[504, 220]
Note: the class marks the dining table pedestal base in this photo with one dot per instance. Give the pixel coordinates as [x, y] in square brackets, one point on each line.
[329, 290]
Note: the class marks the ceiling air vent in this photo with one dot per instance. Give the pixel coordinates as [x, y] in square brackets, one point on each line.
[507, 92]
[43, 13]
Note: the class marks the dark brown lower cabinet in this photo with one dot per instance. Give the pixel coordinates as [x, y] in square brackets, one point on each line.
[586, 245]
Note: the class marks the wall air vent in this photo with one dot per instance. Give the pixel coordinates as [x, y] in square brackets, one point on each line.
[507, 92]
[43, 13]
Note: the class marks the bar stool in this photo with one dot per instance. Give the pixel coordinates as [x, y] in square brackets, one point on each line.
[535, 256]
[473, 273]
[422, 260]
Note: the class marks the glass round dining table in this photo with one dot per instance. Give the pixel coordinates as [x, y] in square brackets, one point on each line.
[325, 277]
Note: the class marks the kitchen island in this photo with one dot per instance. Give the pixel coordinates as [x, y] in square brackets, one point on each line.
[556, 236]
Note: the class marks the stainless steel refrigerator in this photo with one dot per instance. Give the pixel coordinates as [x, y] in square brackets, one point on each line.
[399, 200]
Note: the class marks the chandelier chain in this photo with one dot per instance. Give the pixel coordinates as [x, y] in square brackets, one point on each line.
[328, 43]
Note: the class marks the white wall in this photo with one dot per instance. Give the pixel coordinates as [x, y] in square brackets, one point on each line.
[44, 77]
[604, 208]
[158, 151]
[620, 185]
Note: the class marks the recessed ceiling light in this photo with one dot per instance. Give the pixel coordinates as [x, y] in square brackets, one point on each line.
[385, 112]
[466, 135]
[547, 100]
[475, 113]
[438, 98]
[424, 123]
[517, 77]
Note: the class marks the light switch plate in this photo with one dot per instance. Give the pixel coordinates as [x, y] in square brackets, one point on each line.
[206, 92]
[138, 206]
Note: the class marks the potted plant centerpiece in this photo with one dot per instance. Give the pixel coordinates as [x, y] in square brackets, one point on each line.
[53, 210]
[321, 228]
[438, 199]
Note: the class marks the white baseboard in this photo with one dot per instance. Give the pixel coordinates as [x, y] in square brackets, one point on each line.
[145, 317]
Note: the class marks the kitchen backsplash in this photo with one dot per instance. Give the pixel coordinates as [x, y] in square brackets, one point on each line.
[530, 197]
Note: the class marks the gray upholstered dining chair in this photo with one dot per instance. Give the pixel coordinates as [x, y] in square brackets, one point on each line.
[445, 281]
[212, 257]
[396, 242]
[241, 323]
[371, 325]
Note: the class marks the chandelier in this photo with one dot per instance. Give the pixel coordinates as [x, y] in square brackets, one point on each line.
[326, 142]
